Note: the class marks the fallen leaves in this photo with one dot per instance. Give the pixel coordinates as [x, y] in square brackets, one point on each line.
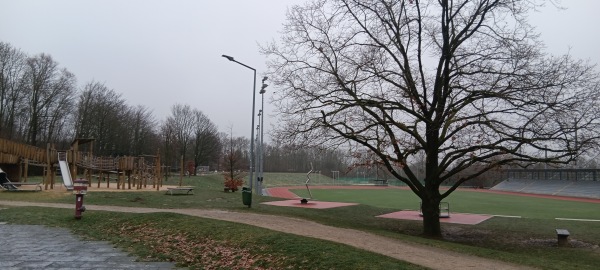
[194, 251]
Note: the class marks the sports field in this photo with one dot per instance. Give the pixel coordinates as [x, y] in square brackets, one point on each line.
[465, 201]
[523, 226]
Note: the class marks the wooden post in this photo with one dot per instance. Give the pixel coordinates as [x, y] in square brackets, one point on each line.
[48, 167]
[128, 179]
[73, 162]
[52, 177]
[21, 171]
[26, 174]
[157, 169]
[181, 173]
[118, 179]
[89, 176]
[140, 173]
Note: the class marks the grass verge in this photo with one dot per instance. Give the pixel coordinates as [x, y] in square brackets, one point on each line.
[528, 241]
[203, 243]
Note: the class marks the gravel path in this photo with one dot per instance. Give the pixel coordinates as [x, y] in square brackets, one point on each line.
[430, 257]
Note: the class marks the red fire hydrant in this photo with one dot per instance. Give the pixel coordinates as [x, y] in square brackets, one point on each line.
[79, 189]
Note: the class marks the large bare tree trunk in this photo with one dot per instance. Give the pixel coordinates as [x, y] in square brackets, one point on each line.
[430, 207]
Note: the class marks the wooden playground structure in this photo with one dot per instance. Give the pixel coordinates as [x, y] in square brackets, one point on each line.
[128, 172]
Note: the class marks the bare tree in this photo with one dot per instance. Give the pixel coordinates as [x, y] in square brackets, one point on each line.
[464, 82]
[167, 136]
[99, 115]
[12, 69]
[141, 131]
[49, 90]
[235, 158]
[206, 141]
[182, 121]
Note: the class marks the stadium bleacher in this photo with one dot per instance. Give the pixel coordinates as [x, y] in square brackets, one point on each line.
[572, 183]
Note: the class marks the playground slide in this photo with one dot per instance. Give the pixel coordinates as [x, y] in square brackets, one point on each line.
[4, 182]
[66, 174]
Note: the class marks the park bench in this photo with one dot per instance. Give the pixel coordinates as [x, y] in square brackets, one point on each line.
[14, 186]
[563, 237]
[188, 190]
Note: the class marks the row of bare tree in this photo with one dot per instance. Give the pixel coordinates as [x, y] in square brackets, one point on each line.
[41, 103]
[35, 96]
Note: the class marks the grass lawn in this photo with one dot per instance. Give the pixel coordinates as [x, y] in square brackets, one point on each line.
[464, 202]
[528, 241]
[199, 243]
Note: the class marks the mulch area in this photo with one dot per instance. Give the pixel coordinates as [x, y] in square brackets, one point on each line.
[309, 204]
[458, 218]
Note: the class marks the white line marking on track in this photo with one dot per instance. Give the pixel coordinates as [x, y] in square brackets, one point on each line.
[506, 216]
[579, 219]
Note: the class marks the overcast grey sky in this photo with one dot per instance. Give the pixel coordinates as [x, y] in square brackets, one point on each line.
[159, 53]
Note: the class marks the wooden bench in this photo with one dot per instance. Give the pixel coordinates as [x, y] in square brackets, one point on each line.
[563, 237]
[37, 186]
[188, 190]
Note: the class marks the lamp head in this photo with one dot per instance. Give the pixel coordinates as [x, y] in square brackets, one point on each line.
[230, 58]
[262, 89]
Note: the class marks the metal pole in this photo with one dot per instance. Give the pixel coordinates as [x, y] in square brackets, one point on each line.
[261, 159]
[252, 162]
[258, 158]
[260, 153]
[252, 158]
[262, 132]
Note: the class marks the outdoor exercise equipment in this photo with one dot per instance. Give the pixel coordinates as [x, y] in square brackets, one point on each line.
[304, 200]
[444, 210]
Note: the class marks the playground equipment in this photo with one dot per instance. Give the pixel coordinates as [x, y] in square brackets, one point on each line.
[138, 171]
[80, 189]
[64, 170]
[5, 183]
[304, 200]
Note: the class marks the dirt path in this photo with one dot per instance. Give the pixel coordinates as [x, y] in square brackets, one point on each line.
[434, 258]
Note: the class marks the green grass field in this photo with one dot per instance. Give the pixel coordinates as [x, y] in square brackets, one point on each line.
[465, 202]
[297, 179]
[527, 241]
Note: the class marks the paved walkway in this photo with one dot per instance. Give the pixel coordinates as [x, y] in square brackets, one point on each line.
[39, 247]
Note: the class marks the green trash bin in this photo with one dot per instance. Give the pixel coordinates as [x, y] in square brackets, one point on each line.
[247, 196]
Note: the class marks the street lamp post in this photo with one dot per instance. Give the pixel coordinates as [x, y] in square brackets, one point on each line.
[261, 165]
[252, 159]
[259, 151]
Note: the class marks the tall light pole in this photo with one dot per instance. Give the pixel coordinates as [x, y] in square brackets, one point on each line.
[261, 159]
[259, 151]
[252, 159]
